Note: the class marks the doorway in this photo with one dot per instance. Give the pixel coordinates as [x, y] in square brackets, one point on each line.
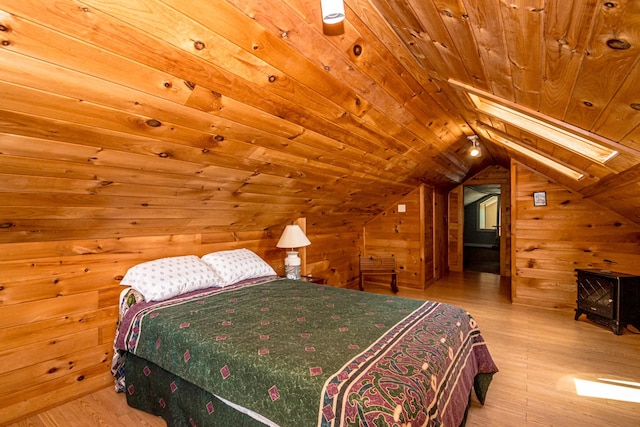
[494, 180]
[481, 235]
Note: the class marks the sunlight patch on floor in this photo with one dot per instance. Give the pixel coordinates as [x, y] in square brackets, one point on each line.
[608, 388]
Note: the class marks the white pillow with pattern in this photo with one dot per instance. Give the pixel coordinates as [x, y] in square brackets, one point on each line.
[238, 264]
[164, 278]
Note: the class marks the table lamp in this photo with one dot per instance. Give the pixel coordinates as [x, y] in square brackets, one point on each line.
[293, 237]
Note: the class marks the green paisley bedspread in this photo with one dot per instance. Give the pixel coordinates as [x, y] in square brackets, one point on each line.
[301, 354]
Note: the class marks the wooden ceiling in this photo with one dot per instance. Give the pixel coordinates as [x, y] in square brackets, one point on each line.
[139, 117]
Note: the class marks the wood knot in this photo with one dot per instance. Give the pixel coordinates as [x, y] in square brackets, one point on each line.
[153, 123]
[618, 44]
[165, 155]
[167, 84]
[6, 42]
[190, 85]
[198, 45]
[7, 225]
[80, 378]
[635, 105]
[588, 104]
[119, 277]
[609, 5]
[272, 79]
[357, 50]
[3, 28]
[219, 138]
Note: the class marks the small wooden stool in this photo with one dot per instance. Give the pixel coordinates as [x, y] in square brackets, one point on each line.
[370, 266]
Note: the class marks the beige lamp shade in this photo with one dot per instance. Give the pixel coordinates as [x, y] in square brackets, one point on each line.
[293, 237]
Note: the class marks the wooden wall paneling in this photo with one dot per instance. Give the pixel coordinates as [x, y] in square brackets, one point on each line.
[428, 223]
[505, 228]
[440, 247]
[330, 258]
[401, 235]
[455, 228]
[35, 375]
[513, 181]
[571, 232]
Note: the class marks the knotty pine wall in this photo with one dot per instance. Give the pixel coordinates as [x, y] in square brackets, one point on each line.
[58, 303]
[407, 236]
[550, 242]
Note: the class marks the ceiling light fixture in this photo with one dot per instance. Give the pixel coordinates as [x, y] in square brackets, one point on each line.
[474, 151]
[332, 11]
[536, 156]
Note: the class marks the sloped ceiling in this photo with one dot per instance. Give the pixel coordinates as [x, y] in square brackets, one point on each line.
[135, 117]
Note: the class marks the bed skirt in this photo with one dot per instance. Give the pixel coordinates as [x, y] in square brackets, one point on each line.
[197, 407]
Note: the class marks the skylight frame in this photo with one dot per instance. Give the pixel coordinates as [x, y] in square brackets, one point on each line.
[559, 167]
[554, 134]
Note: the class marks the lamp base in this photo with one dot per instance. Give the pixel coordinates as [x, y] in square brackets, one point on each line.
[292, 265]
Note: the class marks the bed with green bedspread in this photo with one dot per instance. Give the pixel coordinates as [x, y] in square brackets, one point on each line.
[282, 352]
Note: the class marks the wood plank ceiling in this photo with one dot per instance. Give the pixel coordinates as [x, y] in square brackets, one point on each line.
[140, 117]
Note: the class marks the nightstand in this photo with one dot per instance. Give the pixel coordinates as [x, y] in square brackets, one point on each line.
[311, 279]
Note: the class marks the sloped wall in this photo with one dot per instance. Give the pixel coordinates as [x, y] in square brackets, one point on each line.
[550, 242]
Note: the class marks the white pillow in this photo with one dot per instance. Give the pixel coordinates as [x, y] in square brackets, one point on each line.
[164, 278]
[238, 264]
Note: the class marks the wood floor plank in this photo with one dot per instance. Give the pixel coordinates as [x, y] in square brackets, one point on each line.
[539, 352]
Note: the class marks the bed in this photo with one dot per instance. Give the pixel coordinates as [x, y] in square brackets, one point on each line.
[265, 350]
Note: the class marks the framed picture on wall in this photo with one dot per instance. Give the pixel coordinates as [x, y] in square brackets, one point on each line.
[540, 198]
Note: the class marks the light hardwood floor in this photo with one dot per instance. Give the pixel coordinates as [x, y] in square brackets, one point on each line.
[540, 354]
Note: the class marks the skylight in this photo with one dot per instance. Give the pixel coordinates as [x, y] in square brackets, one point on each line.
[551, 133]
[537, 157]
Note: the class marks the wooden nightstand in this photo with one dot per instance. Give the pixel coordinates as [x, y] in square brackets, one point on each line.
[311, 279]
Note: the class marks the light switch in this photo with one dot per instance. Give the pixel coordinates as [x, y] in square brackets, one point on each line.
[402, 208]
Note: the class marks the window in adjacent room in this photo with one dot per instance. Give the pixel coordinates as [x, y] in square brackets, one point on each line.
[489, 213]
